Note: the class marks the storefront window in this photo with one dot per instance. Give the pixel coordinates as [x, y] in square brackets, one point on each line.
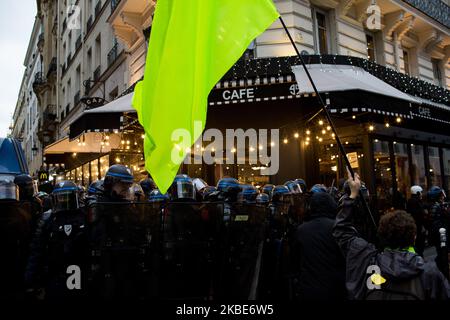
[402, 168]
[134, 161]
[435, 166]
[94, 170]
[79, 175]
[383, 174]
[446, 158]
[86, 175]
[418, 166]
[104, 165]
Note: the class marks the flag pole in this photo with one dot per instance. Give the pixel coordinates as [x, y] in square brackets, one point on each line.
[330, 121]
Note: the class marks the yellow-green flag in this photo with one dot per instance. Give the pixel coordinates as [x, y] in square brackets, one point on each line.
[192, 45]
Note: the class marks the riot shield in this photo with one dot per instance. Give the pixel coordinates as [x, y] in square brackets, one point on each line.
[65, 238]
[190, 234]
[15, 236]
[124, 239]
[276, 250]
[241, 248]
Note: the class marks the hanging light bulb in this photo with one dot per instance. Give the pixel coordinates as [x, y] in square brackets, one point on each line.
[398, 120]
[353, 117]
[296, 135]
[143, 136]
[328, 128]
[285, 141]
[321, 122]
[106, 137]
[308, 132]
[307, 143]
[371, 128]
[323, 131]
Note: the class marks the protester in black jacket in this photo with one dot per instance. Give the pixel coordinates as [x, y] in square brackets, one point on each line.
[395, 273]
[321, 264]
[416, 208]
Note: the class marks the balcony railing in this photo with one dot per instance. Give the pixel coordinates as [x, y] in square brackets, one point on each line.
[89, 24]
[114, 5]
[98, 8]
[38, 79]
[78, 43]
[97, 74]
[112, 55]
[435, 9]
[76, 98]
[69, 59]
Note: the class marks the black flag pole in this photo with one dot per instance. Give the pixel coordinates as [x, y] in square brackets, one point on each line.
[330, 121]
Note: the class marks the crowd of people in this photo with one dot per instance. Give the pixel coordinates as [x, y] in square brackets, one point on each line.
[313, 243]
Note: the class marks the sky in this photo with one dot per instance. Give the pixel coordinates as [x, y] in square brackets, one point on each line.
[16, 24]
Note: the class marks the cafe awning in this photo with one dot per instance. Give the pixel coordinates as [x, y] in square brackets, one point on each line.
[333, 78]
[107, 118]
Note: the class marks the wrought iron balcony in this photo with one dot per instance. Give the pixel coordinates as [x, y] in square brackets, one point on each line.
[114, 5]
[87, 86]
[435, 9]
[49, 114]
[112, 55]
[39, 79]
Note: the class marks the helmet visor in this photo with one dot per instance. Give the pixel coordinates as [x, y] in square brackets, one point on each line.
[183, 190]
[9, 191]
[65, 201]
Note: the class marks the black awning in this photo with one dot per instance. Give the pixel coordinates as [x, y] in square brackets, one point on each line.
[95, 122]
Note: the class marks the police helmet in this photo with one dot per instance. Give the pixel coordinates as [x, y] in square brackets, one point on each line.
[262, 198]
[249, 194]
[267, 189]
[27, 186]
[229, 186]
[434, 193]
[293, 187]
[318, 188]
[148, 185]
[157, 196]
[302, 184]
[118, 180]
[96, 188]
[416, 190]
[8, 189]
[280, 193]
[66, 196]
[182, 188]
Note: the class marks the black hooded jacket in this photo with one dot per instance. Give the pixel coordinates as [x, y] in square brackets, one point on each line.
[320, 262]
[403, 271]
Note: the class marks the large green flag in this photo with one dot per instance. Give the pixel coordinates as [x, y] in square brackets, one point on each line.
[192, 45]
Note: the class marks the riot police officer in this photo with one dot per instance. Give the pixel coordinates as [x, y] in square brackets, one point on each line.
[59, 252]
[148, 185]
[117, 183]
[27, 194]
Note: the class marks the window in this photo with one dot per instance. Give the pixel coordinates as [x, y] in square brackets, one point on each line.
[113, 94]
[383, 174]
[402, 168]
[437, 74]
[446, 175]
[435, 166]
[98, 51]
[406, 62]
[418, 166]
[371, 54]
[321, 32]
